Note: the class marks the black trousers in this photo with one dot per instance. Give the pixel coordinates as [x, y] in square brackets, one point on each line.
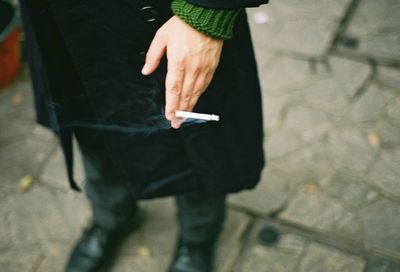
[200, 216]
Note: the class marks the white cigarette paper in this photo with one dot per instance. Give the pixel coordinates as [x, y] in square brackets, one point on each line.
[199, 116]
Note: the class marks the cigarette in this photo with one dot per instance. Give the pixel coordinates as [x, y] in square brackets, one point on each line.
[199, 116]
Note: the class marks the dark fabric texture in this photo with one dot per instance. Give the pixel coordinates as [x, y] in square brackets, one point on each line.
[225, 4]
[7, 13]
[112, 204]
[200, 216]
[86, 59]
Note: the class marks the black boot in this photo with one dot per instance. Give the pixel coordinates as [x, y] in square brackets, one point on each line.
[189, 257]
[96, 249]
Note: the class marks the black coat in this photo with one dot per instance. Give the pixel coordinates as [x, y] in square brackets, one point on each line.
[86, 58]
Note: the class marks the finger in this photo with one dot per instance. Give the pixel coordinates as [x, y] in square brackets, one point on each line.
[188, 86]
[199, 87]
[177, 122]
[173, 89]
[154, 55]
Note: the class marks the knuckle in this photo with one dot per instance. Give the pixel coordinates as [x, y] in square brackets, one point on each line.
[174, 90]
[186, 98]
[197, 93]
[179, 62]
[213, 65]
[192, 104]
[208, 79]
[197, 70]
[173, 85]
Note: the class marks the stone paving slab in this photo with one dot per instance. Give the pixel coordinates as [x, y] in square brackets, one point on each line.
[35, 221]
[375, 24]
[310, 163]
[16, 105]
[394, 111]
[321, 258]
[349, 150]
[388, 133]
[293, 252]
[310, 94]
[284, 257]
[382, 265]
[283, 143]
[298, 26]
[336, 84]
[381, 221]
[389, 77]
[23, 144]
[54, 257]
[351, 190]
[156, 240]
[311, 124]
[284, 76]
[372, 105]
[41, 215]
[311, 208]
[386, 172]
[270, 196]
[151, 247]
[24, 156]
[20, 259]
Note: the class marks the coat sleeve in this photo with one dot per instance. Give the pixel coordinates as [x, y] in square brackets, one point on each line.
[216, 23]
[228, 4]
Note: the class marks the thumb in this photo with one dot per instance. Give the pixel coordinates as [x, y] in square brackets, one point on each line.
[154, 54]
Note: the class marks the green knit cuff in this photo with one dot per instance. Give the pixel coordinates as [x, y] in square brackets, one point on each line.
[217, 23]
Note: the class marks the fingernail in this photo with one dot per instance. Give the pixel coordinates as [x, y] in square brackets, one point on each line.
[145, 69]
[175, 125]
[177, 122]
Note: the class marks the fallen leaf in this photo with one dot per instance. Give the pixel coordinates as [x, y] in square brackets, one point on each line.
[312, 188]
[144, 251]
[25, 183]
[17, 99]
[374, 140]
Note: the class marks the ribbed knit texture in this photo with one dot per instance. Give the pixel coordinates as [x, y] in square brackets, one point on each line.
[217, 23]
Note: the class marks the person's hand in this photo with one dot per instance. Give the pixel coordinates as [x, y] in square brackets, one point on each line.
[192, 60]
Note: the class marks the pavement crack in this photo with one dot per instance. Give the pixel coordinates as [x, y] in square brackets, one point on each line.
[343, 24]
[341, 243]
[364, 86]
[275, 213]
[37, 263]
[301, 257]
[244, 237]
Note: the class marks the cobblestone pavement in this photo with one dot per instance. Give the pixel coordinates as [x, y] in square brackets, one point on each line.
[330, 74]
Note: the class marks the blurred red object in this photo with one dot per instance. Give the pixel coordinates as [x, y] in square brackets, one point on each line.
[10, 54]
[10, 58]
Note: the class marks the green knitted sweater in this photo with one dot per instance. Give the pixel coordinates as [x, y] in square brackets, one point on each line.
[217, 23]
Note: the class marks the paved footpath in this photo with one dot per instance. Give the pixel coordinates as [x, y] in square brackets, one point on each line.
[330, 73]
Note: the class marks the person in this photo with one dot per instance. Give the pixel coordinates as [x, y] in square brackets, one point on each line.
[112, 74]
